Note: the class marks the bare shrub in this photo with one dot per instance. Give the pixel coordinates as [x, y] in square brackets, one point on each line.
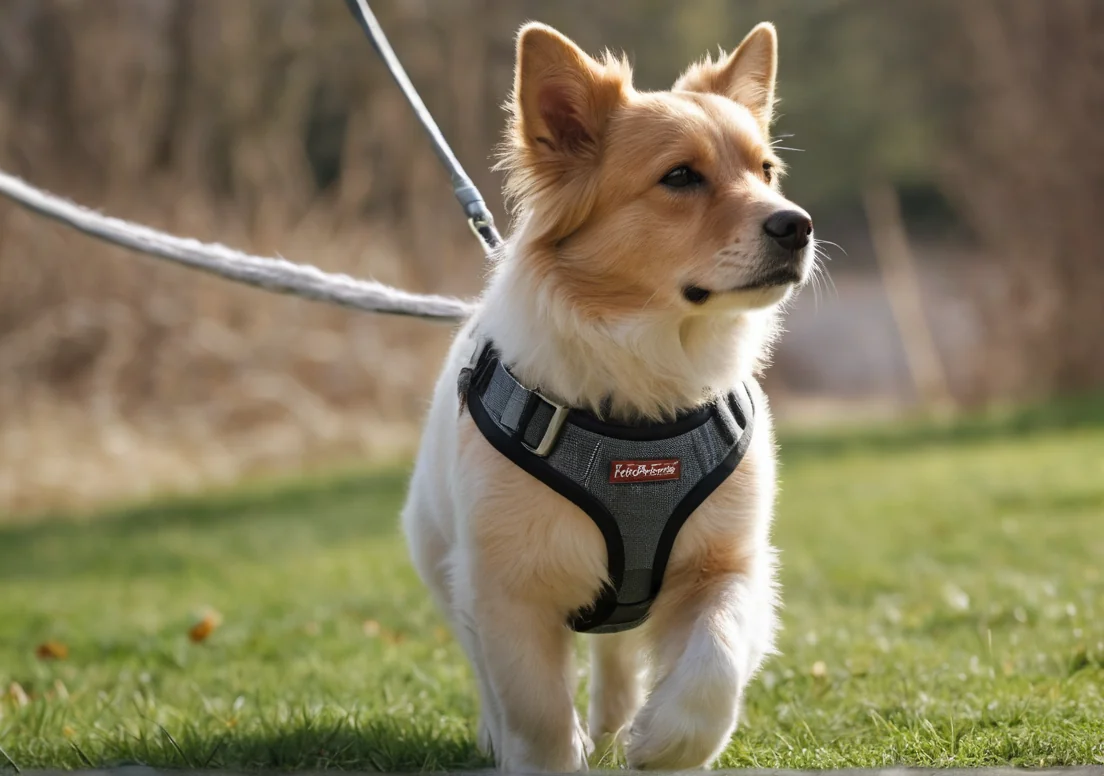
[122, 376]
[1026, 170]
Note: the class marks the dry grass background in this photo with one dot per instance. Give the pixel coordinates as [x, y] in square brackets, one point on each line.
[270, 125]
[127, 377]
[120, 376]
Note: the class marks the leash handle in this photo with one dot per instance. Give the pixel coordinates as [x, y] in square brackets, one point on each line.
[479, 217]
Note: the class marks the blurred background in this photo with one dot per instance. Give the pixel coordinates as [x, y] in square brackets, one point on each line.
[952, 150]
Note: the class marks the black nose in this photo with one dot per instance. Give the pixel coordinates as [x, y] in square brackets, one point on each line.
[789, 228]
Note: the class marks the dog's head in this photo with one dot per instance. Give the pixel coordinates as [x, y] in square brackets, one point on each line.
[653, 201]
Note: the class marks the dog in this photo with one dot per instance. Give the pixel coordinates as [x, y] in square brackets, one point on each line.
[651, 254]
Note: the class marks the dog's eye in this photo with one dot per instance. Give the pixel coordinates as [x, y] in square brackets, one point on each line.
[681, 177]
[768, 171]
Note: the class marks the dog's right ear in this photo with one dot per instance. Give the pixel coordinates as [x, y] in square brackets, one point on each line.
[562, 97]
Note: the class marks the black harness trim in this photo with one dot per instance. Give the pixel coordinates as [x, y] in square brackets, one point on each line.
[606, 614]
[696, 497]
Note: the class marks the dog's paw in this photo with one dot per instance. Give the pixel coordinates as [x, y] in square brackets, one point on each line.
[669, 735]
[606, 749]
[563, 757]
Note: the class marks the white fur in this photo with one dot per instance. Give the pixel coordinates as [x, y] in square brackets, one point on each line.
[508, 559]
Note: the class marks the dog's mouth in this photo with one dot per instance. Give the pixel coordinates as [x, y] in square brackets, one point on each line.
[779, 277]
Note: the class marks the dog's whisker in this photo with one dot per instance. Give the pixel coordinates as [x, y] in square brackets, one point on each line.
[819, 274]
[819, 279]
[814, 276]
[820, 242]
[825, 276]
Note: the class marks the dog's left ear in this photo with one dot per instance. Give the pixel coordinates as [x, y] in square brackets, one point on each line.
[747, 76]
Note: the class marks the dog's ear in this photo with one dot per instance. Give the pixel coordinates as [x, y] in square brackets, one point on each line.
[746, 76]
[562, 97]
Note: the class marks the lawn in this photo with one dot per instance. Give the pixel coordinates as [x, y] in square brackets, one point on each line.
[944, 606]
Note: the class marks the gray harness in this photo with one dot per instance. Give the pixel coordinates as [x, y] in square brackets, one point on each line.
[638, 483]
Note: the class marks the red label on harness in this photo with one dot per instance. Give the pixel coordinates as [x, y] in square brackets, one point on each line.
[623, 472]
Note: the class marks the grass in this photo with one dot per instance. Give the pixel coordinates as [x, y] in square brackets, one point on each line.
[944, 606]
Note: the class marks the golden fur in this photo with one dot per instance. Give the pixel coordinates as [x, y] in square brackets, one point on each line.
[590, 301]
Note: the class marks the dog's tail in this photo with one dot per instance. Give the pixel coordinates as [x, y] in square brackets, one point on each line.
[277, 275]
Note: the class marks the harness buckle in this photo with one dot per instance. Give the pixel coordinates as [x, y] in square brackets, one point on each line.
[552, 432]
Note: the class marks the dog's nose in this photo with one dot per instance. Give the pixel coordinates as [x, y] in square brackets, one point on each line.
[789, 228]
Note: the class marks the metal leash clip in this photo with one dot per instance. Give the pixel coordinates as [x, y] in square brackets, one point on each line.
[480, 220]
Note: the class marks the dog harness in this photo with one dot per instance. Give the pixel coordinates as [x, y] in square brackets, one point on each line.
[638, 483]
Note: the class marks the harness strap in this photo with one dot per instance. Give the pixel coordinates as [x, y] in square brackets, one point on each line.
[574, 453]
[528, 415]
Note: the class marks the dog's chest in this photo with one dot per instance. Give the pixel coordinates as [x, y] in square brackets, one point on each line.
[533, 538]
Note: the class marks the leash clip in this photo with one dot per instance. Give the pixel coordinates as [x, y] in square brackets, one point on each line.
[484, 232]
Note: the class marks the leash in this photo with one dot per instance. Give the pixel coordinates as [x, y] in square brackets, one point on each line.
[277, 275]
[479, 217]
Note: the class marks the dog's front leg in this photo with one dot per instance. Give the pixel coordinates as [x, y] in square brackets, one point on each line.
[616, 685]
[706, 649]
[528, 653]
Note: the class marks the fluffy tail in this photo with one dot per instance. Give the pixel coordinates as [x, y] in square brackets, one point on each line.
[273, 274]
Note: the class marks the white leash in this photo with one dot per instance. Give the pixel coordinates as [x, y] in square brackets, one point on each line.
[272, 274]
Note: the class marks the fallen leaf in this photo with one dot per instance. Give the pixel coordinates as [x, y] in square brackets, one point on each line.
[52, 650]
[205, 627]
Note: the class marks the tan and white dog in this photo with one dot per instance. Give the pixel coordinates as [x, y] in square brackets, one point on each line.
[651, 250]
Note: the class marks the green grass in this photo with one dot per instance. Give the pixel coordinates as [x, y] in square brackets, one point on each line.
[950, 580]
